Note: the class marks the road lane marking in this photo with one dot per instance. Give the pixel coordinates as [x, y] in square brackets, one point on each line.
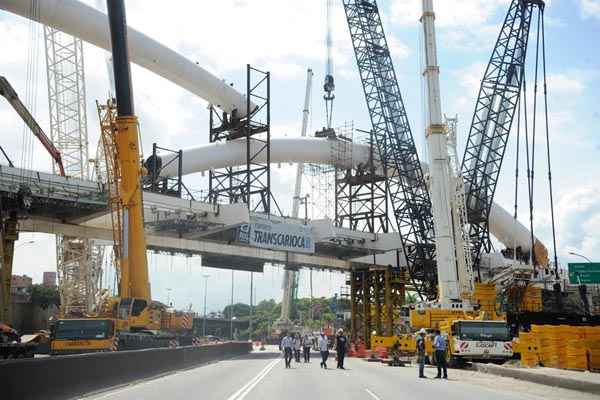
[244, 390]
[373, 395]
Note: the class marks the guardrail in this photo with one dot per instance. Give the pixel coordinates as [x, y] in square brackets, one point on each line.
[62, 377]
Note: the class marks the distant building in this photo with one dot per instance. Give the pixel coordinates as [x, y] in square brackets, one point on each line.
[49, 279]
[20, 288]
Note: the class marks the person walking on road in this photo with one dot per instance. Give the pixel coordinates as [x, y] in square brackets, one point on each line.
[297, 347]
[324, 349]
[440, 344]
[341, 344]
[421, 352]
[306, 345]
[286, 345]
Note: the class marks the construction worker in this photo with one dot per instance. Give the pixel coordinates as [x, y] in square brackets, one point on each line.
[324, 349]
[287, 345]
[297, 347]
[440, 345]
[341, 343]
[306, 345]
[421, 352]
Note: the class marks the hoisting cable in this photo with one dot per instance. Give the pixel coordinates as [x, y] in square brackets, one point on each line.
[526, 124]
[548, 148]
[516, 214]
[533, 134]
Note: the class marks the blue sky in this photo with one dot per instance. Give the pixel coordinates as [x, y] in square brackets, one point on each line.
[286, 37]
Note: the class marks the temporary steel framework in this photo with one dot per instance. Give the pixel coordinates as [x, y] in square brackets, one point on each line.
[376, 295]
[79, 261]
[498, 99]
[249, 184]
[391, 130]
[361, 196]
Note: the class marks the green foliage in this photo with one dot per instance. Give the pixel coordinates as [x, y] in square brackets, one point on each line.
[266, 312]
[410, 298]
[44, 296]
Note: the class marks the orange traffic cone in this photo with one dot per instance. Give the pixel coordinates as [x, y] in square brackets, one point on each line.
[362, 350]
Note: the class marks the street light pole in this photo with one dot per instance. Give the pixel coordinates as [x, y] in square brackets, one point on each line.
[580, 255]
[251, 298]
[205, 276]
[231, 309]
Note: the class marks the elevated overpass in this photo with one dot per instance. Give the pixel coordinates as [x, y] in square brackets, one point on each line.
[56, 205]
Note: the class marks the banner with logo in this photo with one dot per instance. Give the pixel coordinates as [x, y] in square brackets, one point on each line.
[277, 236]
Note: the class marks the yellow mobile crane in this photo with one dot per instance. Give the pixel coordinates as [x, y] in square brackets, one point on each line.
[131, 320]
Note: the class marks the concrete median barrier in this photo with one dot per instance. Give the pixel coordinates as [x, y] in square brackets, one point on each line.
[64, 377]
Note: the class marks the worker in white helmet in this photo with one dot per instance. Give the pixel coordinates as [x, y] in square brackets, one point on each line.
[421, 352]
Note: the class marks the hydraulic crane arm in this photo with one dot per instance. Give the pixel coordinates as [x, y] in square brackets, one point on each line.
[11, 96]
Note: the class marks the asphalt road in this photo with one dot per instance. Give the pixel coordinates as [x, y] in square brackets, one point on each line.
[262, 376]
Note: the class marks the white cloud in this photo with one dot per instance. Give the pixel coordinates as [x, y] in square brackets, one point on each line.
[467, 25]
[449, 13]
[568, 84]
[578, 221]
[590, 8]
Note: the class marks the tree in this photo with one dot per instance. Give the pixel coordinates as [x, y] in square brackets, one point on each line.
[240, 310]
[44, 296]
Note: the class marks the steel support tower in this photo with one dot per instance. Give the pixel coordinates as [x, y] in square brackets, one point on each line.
[361, 196]
[249, 184]
[497, 102]
[79, 262]
[406, 184]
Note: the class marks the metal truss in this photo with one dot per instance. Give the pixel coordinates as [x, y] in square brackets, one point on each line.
[361, 197]
[249, 184]
[406, 185]
[492, 120]
[79, 261]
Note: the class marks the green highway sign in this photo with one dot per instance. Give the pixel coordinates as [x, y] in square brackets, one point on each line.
[584, 273]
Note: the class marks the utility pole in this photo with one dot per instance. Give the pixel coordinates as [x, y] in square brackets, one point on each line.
[311, 295]
[251, 303]
[231, 309]
[205, 276]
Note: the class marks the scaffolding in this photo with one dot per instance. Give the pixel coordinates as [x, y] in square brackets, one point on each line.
[79, 261]
[249, 184]
[361, 193]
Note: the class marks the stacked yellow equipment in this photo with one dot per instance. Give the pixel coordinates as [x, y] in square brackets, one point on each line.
[560, 346]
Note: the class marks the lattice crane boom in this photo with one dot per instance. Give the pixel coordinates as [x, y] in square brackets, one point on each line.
[498, 99]
[407, 189]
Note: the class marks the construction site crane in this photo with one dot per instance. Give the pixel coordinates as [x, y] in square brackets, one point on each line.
[11, 96]
[498, 99]
[329, 84]
[78, 260]
[407, 189]
[132, 317]
[439, 169]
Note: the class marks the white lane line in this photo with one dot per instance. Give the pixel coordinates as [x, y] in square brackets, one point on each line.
[244, 390]
[373, 395]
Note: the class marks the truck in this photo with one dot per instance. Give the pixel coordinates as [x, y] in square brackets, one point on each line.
[477, 340]
[83, 335]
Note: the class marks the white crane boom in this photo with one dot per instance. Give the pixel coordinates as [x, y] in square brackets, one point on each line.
[439, 175]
